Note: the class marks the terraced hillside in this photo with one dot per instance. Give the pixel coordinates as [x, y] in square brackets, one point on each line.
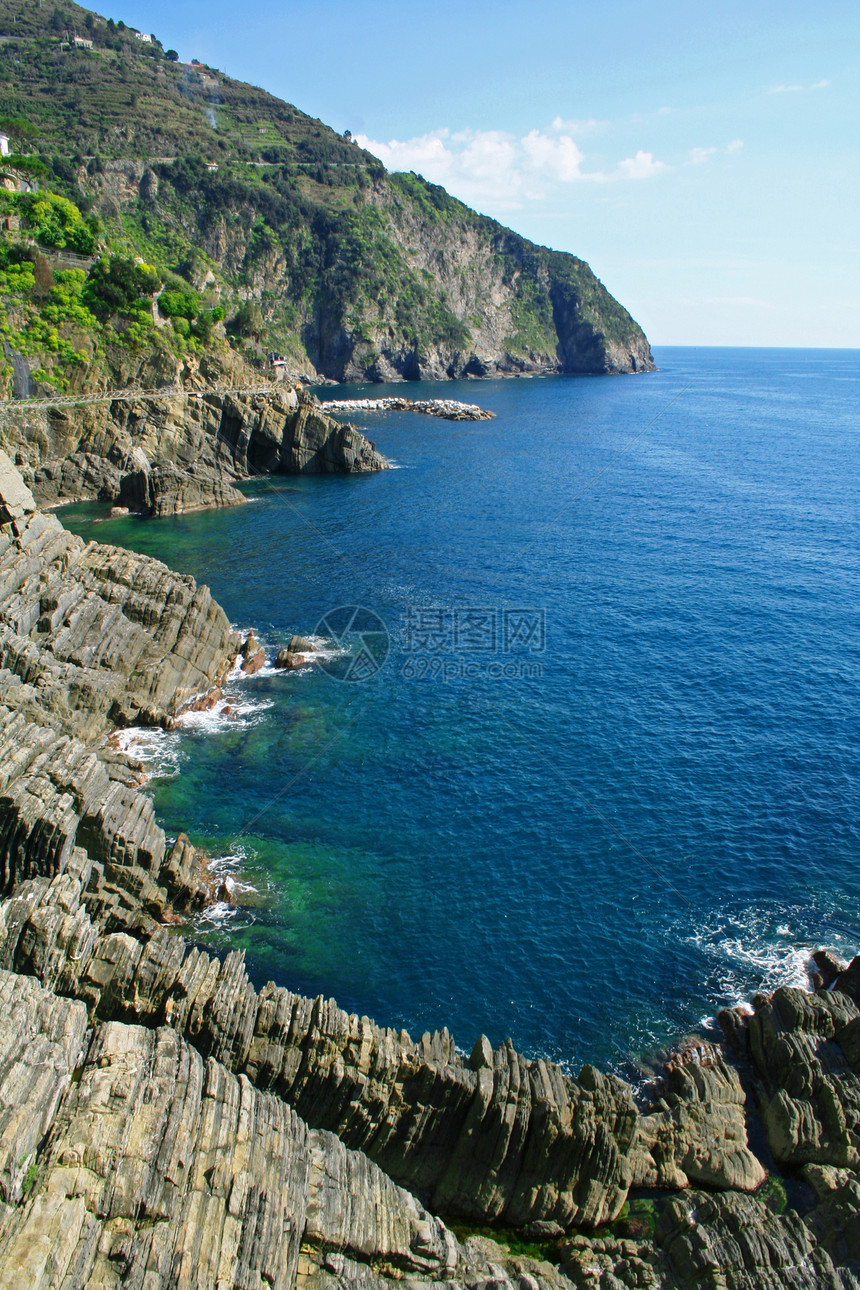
[265, 229]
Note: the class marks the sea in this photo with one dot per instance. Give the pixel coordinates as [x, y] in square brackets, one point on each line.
[578, 762]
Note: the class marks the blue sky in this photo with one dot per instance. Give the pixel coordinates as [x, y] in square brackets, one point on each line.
[702, 157]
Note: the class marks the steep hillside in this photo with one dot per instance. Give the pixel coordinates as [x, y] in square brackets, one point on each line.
[279, 233]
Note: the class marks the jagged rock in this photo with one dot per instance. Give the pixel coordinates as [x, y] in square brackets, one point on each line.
[161, 490]
[734, 1242]
[253, 658]
[41, 1038]
[106, 633]
[300, 645]
[90, 637]
[178, 452]
[805, 1050]
[698, 1133]
[494, 1138]
[295, 653]
[85, 476]
[848, 980]
[829, 966]
[16, 500]
[155, 1166]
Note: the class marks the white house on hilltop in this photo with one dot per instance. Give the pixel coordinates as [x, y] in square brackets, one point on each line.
[82, 42]
[4, 145]
[141, 35]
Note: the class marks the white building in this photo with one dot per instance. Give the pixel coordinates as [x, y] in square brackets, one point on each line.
[4, 145]
[141, 35]
[83, 42]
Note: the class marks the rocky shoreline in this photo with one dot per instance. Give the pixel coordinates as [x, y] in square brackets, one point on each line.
[164, 1123]
[181, 451]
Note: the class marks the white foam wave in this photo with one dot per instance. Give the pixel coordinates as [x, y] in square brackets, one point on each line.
[230, 712]
[747, 960]
[221, 916]
[156, 750]
[230, 870]
[323, 650]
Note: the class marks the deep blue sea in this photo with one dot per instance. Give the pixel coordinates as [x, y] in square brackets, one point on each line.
[607, 779]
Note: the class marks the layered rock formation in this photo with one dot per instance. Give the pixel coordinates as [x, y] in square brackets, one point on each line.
[91, 637]
[180, 452]
[492, 1138]
[130, 1157]
[164, 1123]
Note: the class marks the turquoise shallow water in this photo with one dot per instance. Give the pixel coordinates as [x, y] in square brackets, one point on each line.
[648, 805]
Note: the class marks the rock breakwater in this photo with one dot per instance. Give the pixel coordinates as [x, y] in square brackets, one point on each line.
[449, 409]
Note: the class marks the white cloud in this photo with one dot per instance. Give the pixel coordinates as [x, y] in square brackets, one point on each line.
[501, 169]
[642, 166]
[558, 159]
[575, 126]
[798, 89]
[700, 155]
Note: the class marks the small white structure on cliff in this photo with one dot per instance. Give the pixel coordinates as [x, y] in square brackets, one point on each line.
[141, 35]
[4, 145]
[82, 42]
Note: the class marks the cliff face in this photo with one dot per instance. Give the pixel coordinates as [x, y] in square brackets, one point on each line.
[261, 220]
[512, 307]
[92, 637]
[180, 452]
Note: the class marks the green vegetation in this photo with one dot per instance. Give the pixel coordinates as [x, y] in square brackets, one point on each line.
[119, 286]
[246, 209]
[57, 222]
[637, 1220]
[512, 1241]
[30, 1177]
[72, 320]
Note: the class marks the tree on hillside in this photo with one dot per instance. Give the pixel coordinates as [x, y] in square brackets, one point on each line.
[119, 286]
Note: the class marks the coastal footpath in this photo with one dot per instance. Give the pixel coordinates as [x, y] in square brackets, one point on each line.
[164, 1123]
[181, 450]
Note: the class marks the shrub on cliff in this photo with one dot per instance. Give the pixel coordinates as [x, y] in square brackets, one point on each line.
[56, 221]
[179, 304]
[119, 286]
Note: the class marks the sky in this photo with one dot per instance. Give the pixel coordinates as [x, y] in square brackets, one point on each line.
[702, 157]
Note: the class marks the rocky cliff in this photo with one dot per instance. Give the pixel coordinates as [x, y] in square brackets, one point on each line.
[181, 451]
[164, 1123]
[259, 226]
